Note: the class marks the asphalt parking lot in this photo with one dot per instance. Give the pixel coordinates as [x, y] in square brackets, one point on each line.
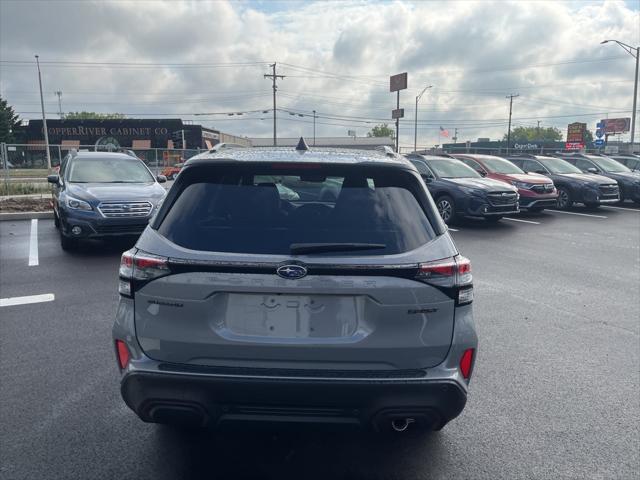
[555, 393]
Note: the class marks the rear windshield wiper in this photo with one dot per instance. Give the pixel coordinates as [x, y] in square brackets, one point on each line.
[302, 248]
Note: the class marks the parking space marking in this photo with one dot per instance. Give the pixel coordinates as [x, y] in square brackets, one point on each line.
[628, 209]
[520, 220]
[33, 243]
[576, 213]
[453, 230]
[11, 301]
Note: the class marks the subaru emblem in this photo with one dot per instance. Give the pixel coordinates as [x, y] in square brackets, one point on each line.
[291, 272]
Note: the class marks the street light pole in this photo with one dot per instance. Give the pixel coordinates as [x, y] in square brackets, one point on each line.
[314, 128]
[415, 123]
[44, 117]
[634, 52]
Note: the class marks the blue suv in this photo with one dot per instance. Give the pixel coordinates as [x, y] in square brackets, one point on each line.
[459, 191]
[99, 194]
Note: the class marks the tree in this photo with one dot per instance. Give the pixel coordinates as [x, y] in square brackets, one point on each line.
[382, 130]
[534, 134]
[9, 122]
[93, 116]
[588, 136]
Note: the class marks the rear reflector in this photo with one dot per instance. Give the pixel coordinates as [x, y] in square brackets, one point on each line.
[466, 362]
[123, 354]
[465, 295]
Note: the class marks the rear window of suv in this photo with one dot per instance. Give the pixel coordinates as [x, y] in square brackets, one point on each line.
[267, 208]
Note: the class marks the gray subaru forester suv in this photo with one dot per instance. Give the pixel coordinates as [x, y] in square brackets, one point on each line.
[296, 286]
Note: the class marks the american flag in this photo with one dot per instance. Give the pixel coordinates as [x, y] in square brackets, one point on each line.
[443, 132]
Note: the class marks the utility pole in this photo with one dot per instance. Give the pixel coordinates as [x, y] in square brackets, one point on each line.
[455, 135]
[415, 121]
[184, 146]
[510, 97]
[59, 94]
[273, 76]
[635, 53]
[538, 131]
[44, 117]
[314, 128]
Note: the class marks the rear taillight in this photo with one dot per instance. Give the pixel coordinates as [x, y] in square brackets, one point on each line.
[449, 273]
[466, 363]
[122, 353]
[139, 266]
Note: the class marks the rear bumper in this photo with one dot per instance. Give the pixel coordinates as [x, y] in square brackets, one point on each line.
[216, 401]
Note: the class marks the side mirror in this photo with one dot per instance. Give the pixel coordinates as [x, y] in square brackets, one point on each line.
[482, 173]
[161, 178]
[55, 179]
[427, 178]
[592, 170]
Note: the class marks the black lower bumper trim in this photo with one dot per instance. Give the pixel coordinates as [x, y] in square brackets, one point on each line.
[204, 400]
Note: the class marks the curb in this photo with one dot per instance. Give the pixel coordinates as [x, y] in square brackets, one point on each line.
[24, 215]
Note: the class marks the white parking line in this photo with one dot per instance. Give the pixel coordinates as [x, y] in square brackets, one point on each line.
[520, 220]
[628, 209]
[576, 213]
[10, 301]
[453, 230]
[33, 243]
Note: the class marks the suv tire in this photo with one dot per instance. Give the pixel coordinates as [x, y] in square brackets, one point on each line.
[446, 209]
[564, 198]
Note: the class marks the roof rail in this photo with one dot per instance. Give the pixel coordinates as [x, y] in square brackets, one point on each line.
[519, 155]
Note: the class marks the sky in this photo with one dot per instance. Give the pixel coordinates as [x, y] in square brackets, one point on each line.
[201, 61]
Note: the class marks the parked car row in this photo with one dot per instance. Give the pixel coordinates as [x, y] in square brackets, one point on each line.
[490, 187]
[101, 194]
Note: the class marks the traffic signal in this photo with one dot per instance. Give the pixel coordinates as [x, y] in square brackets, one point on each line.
[176, 138]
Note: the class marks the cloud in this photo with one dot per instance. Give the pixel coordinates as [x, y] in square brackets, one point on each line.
[336, 56]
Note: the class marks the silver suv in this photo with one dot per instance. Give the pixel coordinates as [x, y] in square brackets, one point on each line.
[296, 286]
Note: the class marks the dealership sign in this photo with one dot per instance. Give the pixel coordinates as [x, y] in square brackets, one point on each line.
[576, 132]
[574, 146]
[526, 146]
[612, 126]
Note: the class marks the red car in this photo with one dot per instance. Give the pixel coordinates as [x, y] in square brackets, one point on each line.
[172, 172]
[537, 192]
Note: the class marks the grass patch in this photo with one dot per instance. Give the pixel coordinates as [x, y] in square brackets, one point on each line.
[27, 172]
[15, 188]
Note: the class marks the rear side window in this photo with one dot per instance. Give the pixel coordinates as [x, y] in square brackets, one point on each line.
[584, 164]
[266, 208]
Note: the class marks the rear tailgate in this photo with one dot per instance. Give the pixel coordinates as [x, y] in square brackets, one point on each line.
[262, 320]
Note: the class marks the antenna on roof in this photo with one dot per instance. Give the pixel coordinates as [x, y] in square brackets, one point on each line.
[302, 145]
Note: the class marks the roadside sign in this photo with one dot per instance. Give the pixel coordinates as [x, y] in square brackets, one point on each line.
[612, 126]
[575, 132]
[600, 124]
[398, 82]
[398, 113]
[574, 146]
[11, 149]
[599, 133]
[599, 142]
